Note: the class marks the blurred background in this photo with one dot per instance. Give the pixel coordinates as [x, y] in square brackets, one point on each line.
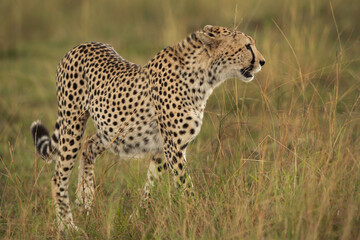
[303, 105]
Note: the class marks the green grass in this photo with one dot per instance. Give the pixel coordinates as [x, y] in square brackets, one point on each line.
[277, 158]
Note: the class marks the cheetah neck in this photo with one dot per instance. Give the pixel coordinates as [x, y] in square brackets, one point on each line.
[187, 65]
[196, 72]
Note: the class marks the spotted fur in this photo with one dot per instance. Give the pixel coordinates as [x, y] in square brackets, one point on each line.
[154, 109]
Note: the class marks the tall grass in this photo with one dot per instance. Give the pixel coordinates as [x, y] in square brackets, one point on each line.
[277, 158]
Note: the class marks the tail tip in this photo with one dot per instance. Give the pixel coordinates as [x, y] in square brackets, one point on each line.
[38, 129]
[35, 124]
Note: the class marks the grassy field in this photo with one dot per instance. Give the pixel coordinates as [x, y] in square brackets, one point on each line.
[278, 158]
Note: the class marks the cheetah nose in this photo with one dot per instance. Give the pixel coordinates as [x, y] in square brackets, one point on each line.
[262, 62]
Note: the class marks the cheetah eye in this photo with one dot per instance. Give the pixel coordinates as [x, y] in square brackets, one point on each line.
[248, 46]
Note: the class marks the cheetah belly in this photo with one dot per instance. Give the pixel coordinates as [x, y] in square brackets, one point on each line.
[134, 140]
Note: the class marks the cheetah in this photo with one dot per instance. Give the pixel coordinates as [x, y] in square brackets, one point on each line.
[154, 110]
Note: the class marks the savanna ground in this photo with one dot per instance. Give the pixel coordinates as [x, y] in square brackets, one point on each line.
[277, 158]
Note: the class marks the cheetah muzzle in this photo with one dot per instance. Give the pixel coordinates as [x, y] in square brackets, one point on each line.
[155, 110]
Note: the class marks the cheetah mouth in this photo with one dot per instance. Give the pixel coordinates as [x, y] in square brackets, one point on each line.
[246, 72]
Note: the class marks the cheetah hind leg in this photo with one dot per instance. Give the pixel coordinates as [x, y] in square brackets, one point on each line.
[85, 189]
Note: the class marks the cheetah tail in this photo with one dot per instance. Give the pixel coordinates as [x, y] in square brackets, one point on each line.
[42, 141]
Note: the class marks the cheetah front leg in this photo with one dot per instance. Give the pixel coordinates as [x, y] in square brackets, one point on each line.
[85, 189]
[156, 169]
[177, 162]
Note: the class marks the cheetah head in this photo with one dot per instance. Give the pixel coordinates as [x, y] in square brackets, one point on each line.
[232, 53]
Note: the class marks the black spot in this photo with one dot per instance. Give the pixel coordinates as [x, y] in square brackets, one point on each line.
[158, 160]
[183, 146]
[54, 138]
[182, 179]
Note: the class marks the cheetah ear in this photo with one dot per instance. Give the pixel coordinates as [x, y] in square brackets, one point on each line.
[207, 36]
[208, 28]
[209, 41]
